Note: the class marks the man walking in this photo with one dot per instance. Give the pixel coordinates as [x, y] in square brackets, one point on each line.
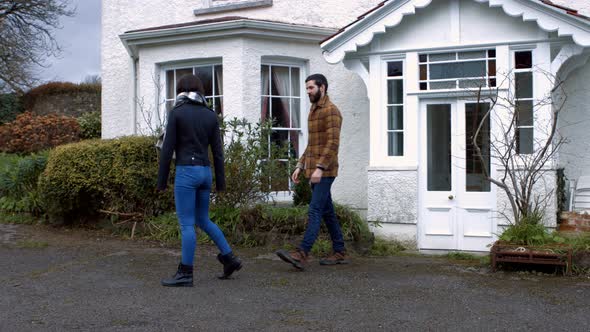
[320, 164]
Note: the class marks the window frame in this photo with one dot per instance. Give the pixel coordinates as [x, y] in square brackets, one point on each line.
[387, 131]
[516, 71]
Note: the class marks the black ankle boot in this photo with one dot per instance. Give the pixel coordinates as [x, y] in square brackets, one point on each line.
[230, 263]
[182, 278]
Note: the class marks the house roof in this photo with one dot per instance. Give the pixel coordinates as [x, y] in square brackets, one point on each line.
[214, 20]
[357, 27]
[222, 27]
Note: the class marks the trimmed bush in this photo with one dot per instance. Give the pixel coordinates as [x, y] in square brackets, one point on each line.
[90, 125]
[56, 88]
[117, 177]
[30, 133]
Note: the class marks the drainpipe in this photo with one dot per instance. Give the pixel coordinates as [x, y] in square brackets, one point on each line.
[135, 64]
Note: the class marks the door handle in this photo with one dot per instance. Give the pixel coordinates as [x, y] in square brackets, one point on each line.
[451, 197]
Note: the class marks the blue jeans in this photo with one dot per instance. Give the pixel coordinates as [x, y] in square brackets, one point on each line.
[321, 206]
[192, 186]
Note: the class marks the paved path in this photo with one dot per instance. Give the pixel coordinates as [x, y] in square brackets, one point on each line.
[60, 280]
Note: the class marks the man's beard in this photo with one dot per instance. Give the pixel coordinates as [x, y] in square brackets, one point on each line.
[314, 98]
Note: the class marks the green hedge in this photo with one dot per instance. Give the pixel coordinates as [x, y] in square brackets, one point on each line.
[117, 177]
[10, 107]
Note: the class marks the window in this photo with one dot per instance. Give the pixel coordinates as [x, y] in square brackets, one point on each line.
[210, 75]
[523, 86]
[395, 108]
[281, 103]
[458, 70]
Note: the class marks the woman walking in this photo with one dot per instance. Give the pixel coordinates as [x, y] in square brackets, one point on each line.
[193, 127]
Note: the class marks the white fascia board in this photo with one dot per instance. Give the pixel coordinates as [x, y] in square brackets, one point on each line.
[547, 17]
[261, 29]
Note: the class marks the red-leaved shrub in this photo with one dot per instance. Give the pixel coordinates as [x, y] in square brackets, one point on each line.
[30, 133]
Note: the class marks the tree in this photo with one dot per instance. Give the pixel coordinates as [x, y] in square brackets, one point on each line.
[26, 39]
[519, 173]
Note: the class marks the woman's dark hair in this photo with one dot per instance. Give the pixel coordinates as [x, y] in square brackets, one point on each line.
[189, 83]
[319, 80]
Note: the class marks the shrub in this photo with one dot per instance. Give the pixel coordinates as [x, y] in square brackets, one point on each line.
[18, 184]
[530, 231]
[117, 177]
[302, 191]
[29, 133]
[251, 173]
[90, 125]
[10, 107]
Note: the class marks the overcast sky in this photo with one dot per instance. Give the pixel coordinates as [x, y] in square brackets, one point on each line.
[80, 41]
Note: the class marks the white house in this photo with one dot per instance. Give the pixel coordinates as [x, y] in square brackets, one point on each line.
[402, 75]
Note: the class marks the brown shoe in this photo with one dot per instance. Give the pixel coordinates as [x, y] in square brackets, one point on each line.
[297, 258]
[336, 258]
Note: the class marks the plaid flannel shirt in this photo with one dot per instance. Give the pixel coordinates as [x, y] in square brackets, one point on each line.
[324, 123]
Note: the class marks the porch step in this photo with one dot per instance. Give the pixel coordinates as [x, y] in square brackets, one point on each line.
[572, 222]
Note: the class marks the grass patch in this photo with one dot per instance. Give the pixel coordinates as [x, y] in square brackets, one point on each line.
[384, 248]
[462, 256]
[28, 244]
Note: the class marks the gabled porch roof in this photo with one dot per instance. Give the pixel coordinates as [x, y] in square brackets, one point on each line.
[389, 13]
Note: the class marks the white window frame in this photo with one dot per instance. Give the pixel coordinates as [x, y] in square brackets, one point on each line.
[457, 80]
[284, 196]
[403, 105]
[164, 68]
[532, 99]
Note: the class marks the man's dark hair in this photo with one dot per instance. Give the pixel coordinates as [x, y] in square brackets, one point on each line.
[319, 80]
[189, 83]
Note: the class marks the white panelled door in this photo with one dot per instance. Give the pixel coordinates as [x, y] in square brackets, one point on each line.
[456, 202]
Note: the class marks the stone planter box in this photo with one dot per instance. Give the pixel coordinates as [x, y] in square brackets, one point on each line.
[557, 255]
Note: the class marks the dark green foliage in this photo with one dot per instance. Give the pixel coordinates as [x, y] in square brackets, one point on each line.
[302, 191]
[113, 176]
[530, 231]
[252, 173]
[10, 107]
[18, 184]
[90, 125]
[58, 88]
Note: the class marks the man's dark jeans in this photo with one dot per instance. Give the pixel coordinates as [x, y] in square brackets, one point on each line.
[321, 206]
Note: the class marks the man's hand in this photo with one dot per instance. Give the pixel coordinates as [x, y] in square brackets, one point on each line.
[316, 177]
[295, 175]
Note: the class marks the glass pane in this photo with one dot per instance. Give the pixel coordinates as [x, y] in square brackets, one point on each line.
[279, 144]
[210, 102]
[280, 81]
[170, 84]
[294, 141]
[458, 70]
[395, 69]
[442, 57]
[423, 72]
[492, 67]
[295, 82]
[205, 74]
[218, 80]
[280, 112]
[395, 118]
[295, 113]
[466, 84]
[423, 86]
[524, 140]
[443, 85]
[474, 116]
[439, 147]
[492, 53]
[265, 109]
[524, 60]
[264, 81]
[395, 92]
[524, 85]
[423, 57]
[395, 145]
[472, 55]
[524, 114]
[493, 82]
[218, 105]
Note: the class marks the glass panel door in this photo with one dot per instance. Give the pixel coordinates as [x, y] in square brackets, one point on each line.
[438, 123]
[475, 180]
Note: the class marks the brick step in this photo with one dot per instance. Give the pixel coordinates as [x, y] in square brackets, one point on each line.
[573, 228]
[575, 222]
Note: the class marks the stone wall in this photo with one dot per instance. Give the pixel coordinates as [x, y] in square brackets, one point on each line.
[70, 104]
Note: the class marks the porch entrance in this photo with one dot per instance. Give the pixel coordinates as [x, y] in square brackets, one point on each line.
[456, 201]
